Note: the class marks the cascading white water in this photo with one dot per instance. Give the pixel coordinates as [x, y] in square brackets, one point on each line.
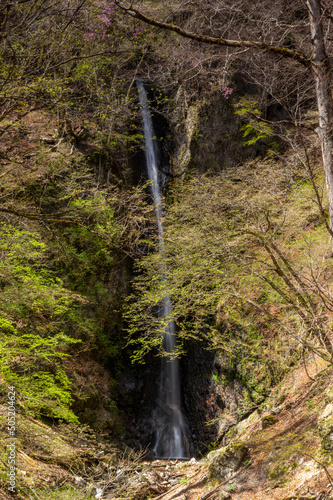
[168, 421]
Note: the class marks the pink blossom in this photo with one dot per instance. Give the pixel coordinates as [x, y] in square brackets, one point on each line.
[89, 36]
[227, 91]
[138, 32]
[98, 29]
[104, 18]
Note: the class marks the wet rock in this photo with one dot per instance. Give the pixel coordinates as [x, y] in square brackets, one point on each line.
[226, 460]
[198, 386]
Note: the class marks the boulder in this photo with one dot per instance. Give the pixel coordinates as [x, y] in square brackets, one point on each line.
[226, 460]
[325, 426]
[267, 421]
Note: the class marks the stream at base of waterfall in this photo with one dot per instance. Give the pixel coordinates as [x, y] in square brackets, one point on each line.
[170, 429]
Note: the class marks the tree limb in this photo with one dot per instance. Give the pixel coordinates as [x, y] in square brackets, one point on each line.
[274, 49]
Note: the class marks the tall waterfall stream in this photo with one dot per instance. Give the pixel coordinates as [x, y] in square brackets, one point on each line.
[168, 421]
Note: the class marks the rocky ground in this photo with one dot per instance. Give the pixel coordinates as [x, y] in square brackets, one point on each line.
[283, 451]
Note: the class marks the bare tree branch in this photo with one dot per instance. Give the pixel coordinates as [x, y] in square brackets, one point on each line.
[274, 49]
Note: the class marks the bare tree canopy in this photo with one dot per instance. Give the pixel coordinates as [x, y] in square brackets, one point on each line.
[317, 60]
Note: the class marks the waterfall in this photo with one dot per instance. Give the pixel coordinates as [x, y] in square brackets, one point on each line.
[168, 421]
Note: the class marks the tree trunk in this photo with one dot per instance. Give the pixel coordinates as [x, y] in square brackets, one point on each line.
[321, 70]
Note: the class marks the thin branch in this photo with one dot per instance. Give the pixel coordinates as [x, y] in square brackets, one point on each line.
[322, 465]
[305, 367]
[274, 49]
[281, 122]
[76, 58]
[304, 342]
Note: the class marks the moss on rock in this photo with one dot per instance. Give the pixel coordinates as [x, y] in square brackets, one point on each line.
[226, 460]
[325, 427]
[267, 421]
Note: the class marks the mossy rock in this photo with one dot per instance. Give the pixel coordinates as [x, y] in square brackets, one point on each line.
[267, 421]
[325, 427]
[278, 470]
[224, 495]
[232, 433]
[226, 460]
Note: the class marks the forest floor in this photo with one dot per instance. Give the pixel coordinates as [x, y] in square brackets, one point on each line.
[285, 459]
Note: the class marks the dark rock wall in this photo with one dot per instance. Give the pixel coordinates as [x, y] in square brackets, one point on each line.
[136, 396]
[200, 399]
[206, 137]
[217, 141]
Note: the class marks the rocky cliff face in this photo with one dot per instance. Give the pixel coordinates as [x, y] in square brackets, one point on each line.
[207, 136]
[215, 398]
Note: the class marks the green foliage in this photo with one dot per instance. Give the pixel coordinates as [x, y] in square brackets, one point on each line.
[255, 130]
[35, 312]
[246, 105]
[65, 261]
[84, 59]
[235, 282]
[62, 270]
